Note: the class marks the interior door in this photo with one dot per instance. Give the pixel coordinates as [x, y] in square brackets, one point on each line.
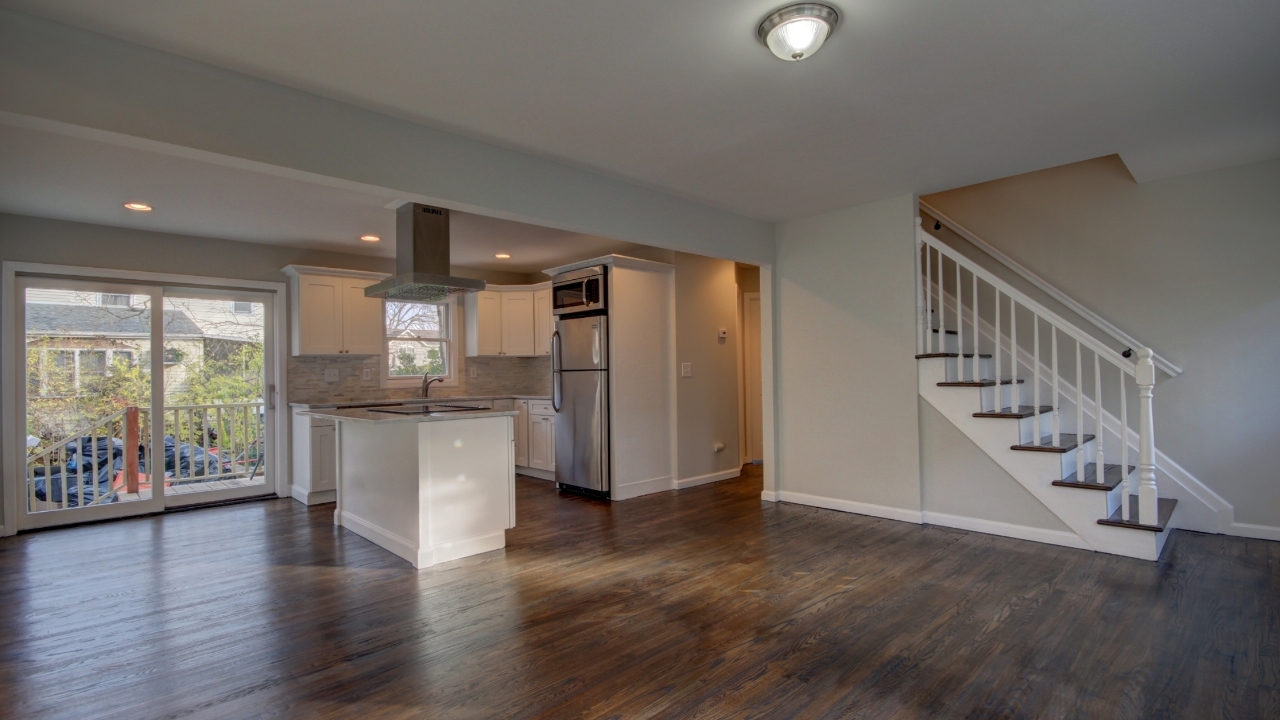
[92, 385]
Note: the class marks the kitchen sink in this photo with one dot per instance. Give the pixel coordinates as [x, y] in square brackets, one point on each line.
[427, 409]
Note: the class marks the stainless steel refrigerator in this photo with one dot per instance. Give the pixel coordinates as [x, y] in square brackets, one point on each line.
[580, 395]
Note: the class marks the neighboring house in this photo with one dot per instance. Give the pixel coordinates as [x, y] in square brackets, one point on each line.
[73, 336]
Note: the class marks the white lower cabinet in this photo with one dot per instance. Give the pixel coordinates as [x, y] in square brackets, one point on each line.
[315, 470]
[542, 442]
[522, 433]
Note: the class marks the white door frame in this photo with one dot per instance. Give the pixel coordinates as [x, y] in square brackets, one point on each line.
[11, 460]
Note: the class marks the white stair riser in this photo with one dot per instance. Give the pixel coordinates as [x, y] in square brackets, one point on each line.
[1079, 509]
[961, 369]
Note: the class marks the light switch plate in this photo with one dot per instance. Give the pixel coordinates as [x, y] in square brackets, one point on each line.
[686, 369]
[331, 375]
[471, 371]
[366, 374]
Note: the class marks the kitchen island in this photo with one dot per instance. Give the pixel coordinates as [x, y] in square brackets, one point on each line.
[427, 486]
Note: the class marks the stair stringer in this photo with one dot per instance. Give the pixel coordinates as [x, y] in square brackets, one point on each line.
[1078, 509]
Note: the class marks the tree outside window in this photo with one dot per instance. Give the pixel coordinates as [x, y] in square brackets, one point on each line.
[418, 336]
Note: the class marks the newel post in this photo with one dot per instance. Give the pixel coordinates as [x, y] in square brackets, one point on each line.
[920, 319]
[1145, 377]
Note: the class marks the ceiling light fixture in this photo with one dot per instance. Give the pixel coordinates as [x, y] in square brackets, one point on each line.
[503, 256]
[797, 31]
[138, 207]
[370, 238]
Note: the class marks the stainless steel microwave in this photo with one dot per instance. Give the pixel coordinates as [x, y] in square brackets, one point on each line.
[579, 291]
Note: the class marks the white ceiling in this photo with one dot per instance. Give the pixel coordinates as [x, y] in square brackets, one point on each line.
[47, 174]
[907, 96]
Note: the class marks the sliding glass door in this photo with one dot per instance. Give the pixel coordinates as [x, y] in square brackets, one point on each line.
[128, 411]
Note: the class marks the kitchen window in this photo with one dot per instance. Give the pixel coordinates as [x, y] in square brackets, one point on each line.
[419, 341]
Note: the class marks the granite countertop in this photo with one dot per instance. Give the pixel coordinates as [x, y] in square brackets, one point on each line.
[395, 401]
[370, 416]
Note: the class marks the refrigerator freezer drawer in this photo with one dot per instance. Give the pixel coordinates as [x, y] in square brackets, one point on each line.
[582, 430]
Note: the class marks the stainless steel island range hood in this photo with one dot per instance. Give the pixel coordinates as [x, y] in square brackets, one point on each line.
[422, 259]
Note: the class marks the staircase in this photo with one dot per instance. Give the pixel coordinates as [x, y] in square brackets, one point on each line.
[1023, 401]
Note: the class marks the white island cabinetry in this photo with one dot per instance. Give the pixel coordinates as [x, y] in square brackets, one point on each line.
[428, 488]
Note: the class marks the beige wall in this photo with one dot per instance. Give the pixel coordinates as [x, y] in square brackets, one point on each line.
[707, 403]
[845, 339]
[1188, 266]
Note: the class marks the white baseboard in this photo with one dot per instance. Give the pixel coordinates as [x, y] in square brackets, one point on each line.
[995, 527]
[1260, 532]
[445, 552]
[769, 496]
[536, 473]
[381, 537]
[708, 478]
[851, 506]
[643, 487]
[319, 497]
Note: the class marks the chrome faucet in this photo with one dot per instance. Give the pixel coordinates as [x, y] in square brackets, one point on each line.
[426, 384]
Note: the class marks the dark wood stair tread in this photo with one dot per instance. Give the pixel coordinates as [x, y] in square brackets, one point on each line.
[1111, 478]
[978, 383]
[1164, 511]
[950, 355]
[949, 332]
[1022, 411]
[1068, 441]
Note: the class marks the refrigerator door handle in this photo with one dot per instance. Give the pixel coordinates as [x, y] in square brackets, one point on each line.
[555, 371]
[595, 344]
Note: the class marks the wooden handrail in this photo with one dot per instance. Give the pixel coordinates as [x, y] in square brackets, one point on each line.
[1094, 319]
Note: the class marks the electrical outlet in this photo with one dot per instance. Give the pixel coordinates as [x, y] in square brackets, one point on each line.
[686, 369]
[366, 374]
[471, 371]
[331, 375]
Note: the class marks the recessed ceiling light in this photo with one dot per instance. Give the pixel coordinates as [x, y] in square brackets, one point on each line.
[797, 31]
[139, 207]
[370, 238]
[503, 256]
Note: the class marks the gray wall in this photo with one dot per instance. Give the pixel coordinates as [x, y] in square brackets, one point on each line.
[958, 478]
[1188, 266]
[59, 73]
[845, 336]
[707, 403]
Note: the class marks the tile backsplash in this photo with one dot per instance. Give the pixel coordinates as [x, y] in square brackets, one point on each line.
[493, 376]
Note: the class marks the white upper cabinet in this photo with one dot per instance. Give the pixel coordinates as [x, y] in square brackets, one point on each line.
[543, 322]
[517, 323]
[363, 323]
[331, 315]
[509, 320]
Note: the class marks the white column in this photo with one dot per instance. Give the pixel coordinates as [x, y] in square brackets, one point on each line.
[1148, 504]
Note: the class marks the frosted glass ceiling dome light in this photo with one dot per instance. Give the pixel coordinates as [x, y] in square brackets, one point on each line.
[797, 31]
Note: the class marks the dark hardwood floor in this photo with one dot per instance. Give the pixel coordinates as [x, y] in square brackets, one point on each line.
[706, 603]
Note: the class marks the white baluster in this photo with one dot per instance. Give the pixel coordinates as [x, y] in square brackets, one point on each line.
[942, 302]
[920, 329]
[996, 395]
[1035, 394]
[1097, 416]
[1148, 497]
[1053, 332]
[1127, 488]
[977, 374]
[1079, 415]
[1015, 399]
[928, 286]
[959, 324]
